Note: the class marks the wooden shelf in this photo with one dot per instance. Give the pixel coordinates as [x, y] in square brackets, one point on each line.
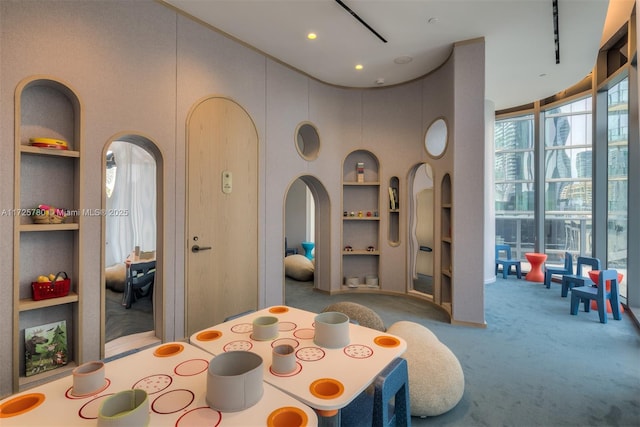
[363, 218]
[48, 151]
[49, 227]
[346, 183]
[360, 288]
[360, 252]
[447, 307]
[26, 382]
[27, 304]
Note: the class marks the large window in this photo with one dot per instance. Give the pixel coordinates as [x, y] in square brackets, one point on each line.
[563, 150]
[617, 178]
[514, 184]
[568, 180]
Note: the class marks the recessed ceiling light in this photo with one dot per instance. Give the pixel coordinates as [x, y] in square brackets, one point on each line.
[311, 36]
[433, 20]
[359, 67]
[403, 59]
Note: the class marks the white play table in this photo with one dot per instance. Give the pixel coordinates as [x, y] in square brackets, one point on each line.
[174, 375]
[325, 379]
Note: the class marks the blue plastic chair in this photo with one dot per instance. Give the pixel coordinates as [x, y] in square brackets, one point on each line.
[600, 295]
[389, 405]
[507, 261]
[567, 269]
[572, 280]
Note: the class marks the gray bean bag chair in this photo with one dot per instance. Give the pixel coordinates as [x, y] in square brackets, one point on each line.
[361, 314]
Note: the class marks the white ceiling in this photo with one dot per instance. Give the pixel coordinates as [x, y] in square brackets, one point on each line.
[519, 37]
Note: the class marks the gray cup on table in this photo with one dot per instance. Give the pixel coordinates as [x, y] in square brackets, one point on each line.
[283, 359]
[331, 330]
[265, 328]
[234, 381]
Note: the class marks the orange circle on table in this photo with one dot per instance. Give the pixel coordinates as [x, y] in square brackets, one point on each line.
[168, 350]
[326, 388]
[21, 404]
[288, 416]
[278, 310]
[386, 341]
[208, 335]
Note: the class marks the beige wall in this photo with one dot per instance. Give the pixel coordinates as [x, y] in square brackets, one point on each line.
[139, 67]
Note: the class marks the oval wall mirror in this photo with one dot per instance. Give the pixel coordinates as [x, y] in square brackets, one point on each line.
[307, 141]
[435, 140]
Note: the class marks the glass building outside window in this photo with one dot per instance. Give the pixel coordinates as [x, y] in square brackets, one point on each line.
[617, 178]
[568, 180]
[514, 171]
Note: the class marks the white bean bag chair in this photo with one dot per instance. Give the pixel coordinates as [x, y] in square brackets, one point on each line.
[299, 267]
[436, 380]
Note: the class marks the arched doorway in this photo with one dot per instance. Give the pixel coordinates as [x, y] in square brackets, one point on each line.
[132, 224]
[317, 216]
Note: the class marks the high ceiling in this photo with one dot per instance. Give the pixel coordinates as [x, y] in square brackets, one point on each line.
[519, 35]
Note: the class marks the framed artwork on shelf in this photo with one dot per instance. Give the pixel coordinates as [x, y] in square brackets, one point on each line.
[45, 347]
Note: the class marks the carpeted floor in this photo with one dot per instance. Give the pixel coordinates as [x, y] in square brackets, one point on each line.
[121, 321]
[533, 365]
[423, 283]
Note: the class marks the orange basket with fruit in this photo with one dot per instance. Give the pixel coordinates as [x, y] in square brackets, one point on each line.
[51, 286]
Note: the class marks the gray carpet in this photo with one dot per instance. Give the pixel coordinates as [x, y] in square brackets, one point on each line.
[533, 365]
[121, 321]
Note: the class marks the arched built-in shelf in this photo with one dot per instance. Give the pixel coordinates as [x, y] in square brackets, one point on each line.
[361, 220]
[445, 296]
[48, 149]
[394, 211]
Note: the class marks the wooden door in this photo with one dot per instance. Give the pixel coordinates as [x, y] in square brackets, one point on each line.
[222, 213]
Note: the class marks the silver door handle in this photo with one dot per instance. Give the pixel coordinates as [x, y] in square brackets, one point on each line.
[196, 248]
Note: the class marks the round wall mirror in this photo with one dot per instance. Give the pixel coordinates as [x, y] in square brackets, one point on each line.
[307, 141]
[435, 140]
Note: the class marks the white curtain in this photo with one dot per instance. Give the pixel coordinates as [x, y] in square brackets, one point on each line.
[131, 209]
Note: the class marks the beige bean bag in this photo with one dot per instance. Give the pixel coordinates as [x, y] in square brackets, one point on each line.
[299, 267]
[436, 380]
[115, 276]
[361, 314]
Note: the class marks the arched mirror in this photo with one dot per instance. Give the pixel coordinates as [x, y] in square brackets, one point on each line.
[307, 141]
[421, 231]
[130, 242]
[435, 140]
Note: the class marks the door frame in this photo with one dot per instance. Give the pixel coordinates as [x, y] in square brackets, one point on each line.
[148, 144]
[187, 241]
